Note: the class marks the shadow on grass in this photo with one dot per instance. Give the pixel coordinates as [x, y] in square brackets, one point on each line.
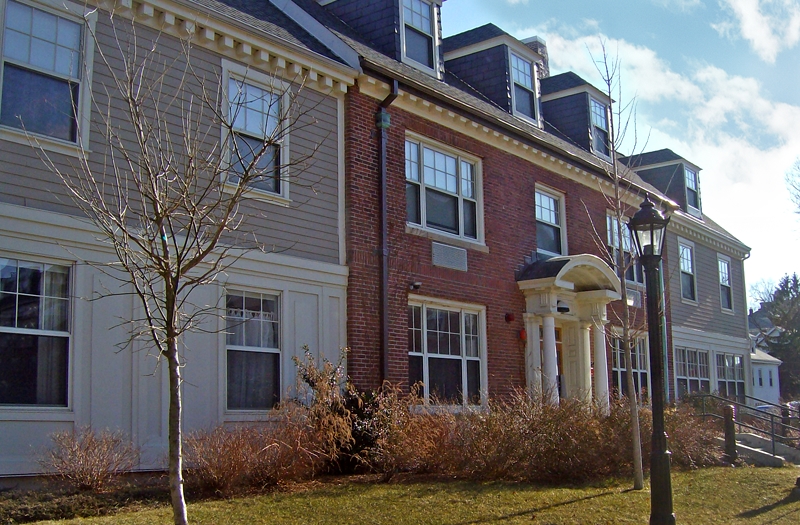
[791, 498]
[532, 512]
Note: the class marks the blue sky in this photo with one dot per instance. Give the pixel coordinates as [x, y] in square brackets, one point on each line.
[716, 81]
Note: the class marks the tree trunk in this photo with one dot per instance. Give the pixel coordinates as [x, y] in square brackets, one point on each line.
[175, 451]
[636, 435]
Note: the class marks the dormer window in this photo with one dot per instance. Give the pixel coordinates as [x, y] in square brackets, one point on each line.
[418, 32]
[524, 94]
[692, 189]
[600, 143]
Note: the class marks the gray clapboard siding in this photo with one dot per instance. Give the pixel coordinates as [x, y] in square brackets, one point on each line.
[308, 227]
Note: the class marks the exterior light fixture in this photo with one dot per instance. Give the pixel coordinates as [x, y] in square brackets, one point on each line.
[648, 227]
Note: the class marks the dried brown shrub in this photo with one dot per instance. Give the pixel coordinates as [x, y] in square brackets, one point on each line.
[88, 460]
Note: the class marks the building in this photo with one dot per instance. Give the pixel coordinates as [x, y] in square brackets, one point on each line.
[704, 278]
[66, 361]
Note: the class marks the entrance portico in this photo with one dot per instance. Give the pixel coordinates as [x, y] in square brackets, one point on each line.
[570, 293]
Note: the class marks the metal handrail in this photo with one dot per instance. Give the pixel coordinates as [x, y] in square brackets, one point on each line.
[758, 415]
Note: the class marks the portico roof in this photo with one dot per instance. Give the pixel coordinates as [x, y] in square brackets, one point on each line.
[577, 273]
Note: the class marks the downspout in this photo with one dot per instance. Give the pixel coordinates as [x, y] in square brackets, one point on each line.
[383, 122]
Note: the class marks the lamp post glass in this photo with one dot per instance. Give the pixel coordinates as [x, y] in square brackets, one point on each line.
[648, 226]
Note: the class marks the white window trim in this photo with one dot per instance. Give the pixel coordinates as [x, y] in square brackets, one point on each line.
[616, 335]
[534, 88]
[607, 131]
[688, 378]
[726, 259]
[435, 10]
[560, 198]
[697, 212]
[445, 304]
[690, 245]
[236, 414]
[49, 413]
[87, 18]
[269, 83]
[478, 172]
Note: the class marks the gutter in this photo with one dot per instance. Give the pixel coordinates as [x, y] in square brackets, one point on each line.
[382, 123]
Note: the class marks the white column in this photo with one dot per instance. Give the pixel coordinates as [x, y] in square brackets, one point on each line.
[550, 361]
[585, 362]
[533, 357]
[600, 368]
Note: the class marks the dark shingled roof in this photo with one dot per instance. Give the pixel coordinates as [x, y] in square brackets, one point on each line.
[473, 36]
[651, 157]
[542, 269]
[264, 17]
[561, 82]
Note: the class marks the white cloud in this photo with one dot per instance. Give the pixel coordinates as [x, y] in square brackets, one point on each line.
[679, 5]
[770, 26]
[515, 2]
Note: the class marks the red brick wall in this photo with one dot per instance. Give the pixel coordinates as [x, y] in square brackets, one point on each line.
[510, 233]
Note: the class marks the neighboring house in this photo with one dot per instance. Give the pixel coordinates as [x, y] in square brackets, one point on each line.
[704, 278]
[766, 380]
[64, 363]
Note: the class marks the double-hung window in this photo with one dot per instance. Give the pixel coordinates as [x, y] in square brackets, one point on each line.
[442, 190]
[34, 333]
[445, 353]
[640, 368]
[549, 224]
[730, 376]
[600, 137]
[688, 290]
[692, 371]
[42, 71]
[418, 34]
[725, 290]
[524, 88]
[633, 270]
[258, 141]
[692, 189]
[253, 350]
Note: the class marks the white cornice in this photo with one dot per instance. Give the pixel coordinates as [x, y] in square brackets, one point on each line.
[238, 41]
[695, 230]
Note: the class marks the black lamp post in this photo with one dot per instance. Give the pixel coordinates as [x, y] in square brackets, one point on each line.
[648, 227]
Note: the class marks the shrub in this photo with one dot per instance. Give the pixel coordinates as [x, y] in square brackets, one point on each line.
[88, 460]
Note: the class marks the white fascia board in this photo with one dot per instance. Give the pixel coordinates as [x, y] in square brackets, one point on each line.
[320, 32]
[513, 44]
[703, 340]
[585, 88]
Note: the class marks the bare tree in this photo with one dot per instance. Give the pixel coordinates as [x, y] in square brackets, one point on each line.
[793, 183]
[620, 253]
[169, 191]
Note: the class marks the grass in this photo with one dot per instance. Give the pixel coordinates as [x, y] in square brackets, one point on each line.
[706, 496]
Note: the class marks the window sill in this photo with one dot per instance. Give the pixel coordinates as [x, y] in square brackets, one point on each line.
[36, 141]
[448, 239]
[727, 311]
[689, 301]
[420, 66]
[244, 416]
[259, 195]
[34, 413]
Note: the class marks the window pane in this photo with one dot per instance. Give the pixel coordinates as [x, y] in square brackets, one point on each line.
[253, 380]
[265, 170]
[727, 303]
[687, 286]
[34, 370]
[548, 238]
[524, 101]
[38, 103]
[419, 47]
[412, 203]
[445, 380]
[474, 382]
[441, 211]
[415, 372]
[19, 16]
[412, 161]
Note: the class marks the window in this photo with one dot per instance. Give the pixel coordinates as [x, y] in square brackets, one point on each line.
[419, 35]
[42, 72]
[725, 293]
[760, 378]
[445, 353]
[633, 270]
[441, 190]
[640, 368]
[730, 376]
[34, 333]
[253, 350]
[600, 143]
[549, 225]
[769, 372]
[692, 371]
[692, 189]
[524, 92]
[687, 272]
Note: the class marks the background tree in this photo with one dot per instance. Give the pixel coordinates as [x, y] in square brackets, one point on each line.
[168, 192]
[783, 309]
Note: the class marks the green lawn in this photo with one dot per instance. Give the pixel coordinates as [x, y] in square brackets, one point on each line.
[707, 496]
